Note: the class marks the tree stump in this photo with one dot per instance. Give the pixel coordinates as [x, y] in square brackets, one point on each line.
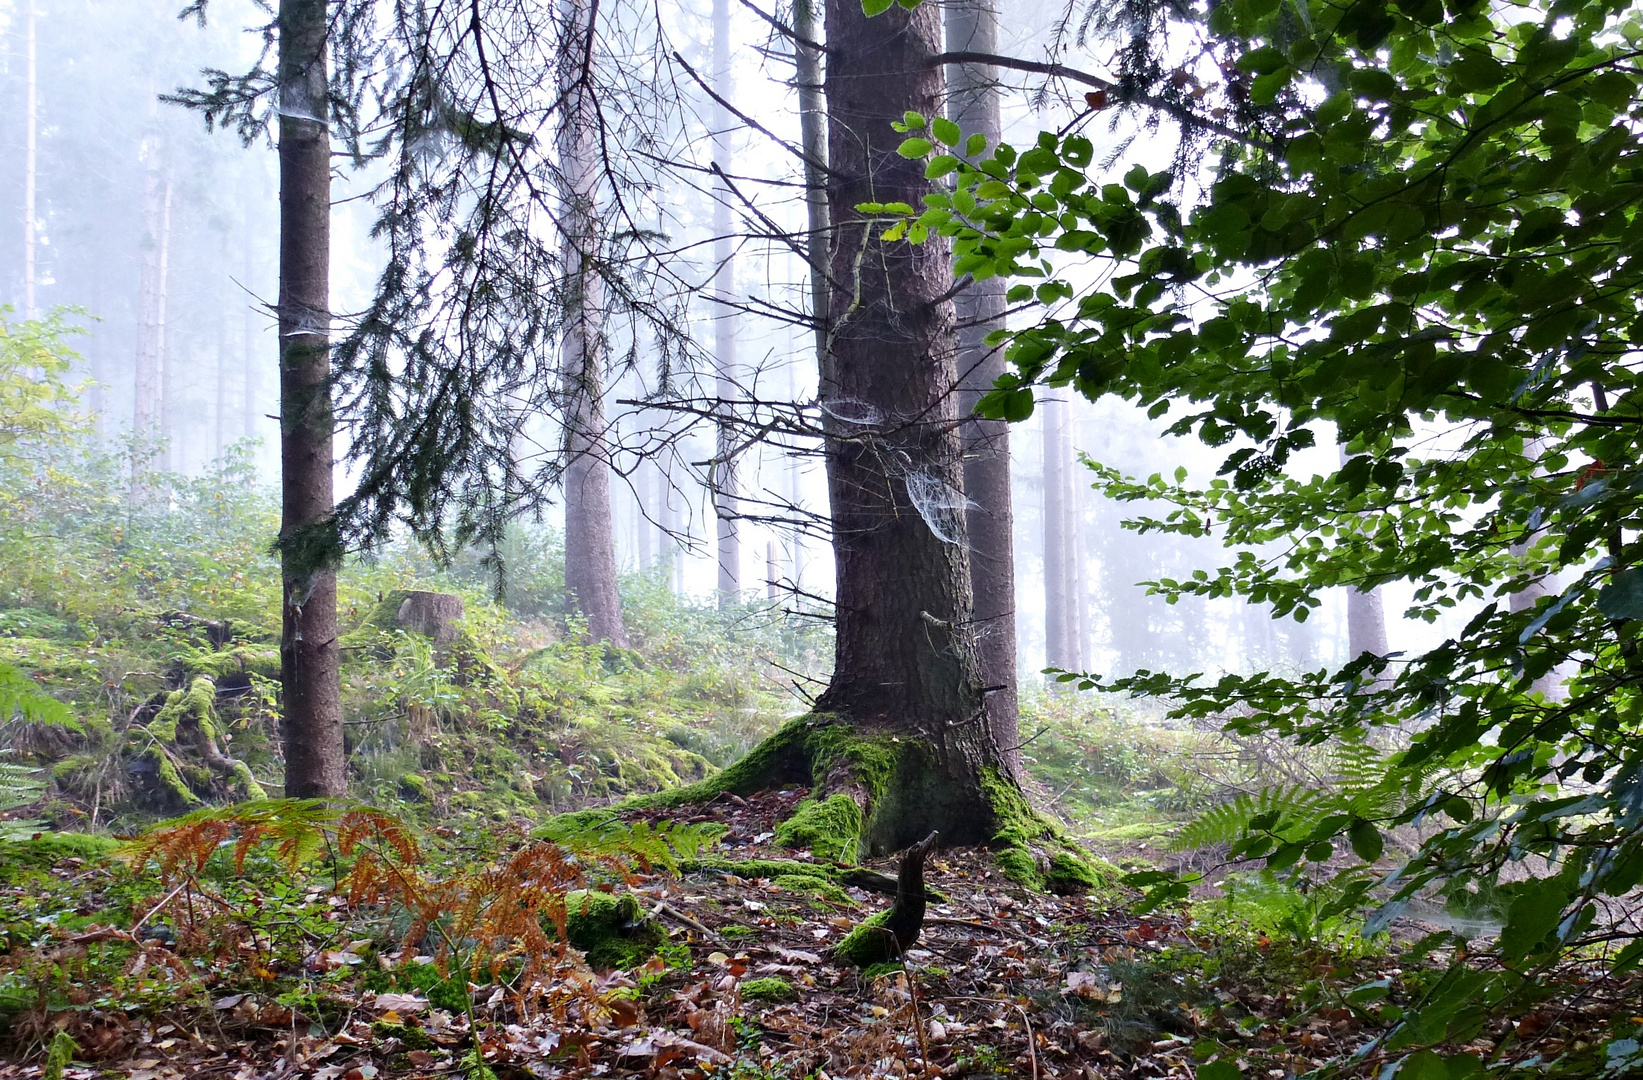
[431, 614]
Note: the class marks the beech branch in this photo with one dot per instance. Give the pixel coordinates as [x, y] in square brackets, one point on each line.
[1062, 71]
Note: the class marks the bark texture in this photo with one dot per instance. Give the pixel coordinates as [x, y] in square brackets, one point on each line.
[309, 653]
[973, 104]
[590, 542]
[905, 658]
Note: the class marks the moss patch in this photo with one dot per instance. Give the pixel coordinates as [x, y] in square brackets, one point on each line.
[1031, 849]
[768, 989]
[810, 885]
[412, 1038]
[49, 849]
[830, 828]
[611, 929]
[869, 943]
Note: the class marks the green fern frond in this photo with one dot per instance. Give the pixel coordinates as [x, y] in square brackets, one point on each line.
[22, 698]
[662, 843]
[1285, 811]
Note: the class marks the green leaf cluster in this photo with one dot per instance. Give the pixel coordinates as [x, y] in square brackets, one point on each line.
[1429, 254]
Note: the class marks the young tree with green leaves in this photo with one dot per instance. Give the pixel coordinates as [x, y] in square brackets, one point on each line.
[1421, 222]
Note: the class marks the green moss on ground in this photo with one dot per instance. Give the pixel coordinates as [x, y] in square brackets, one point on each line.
[49, 849]
[811, 885]
[411, 1038]
[769, 989]
[830, 828]
[611, 929]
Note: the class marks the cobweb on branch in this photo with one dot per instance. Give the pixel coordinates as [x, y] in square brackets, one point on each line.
[940, 504]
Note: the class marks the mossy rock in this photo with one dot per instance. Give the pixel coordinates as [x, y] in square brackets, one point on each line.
[830, 828]
[414, 786]
[769, 989]
[611, 929]
[810, 885]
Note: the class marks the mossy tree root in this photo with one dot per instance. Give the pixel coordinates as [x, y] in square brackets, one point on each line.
[873, 793]
[191, 713]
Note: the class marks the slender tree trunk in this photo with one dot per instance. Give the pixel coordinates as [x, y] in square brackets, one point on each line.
[315, 765]
[1365, 617]
[809, 74]
[590, 543]
[726, 489]
[147, 402]
[1056, 583]
[813, 142]
[248, 329]
[905, 659]
[973, 104]
[30, 158]
[1078, 600]
[221, 414]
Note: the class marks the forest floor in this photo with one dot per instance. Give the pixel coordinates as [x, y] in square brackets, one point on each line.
[1003, 982]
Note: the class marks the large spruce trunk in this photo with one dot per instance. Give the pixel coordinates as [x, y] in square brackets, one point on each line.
[906, 661]
[309, 652]
[973, 104]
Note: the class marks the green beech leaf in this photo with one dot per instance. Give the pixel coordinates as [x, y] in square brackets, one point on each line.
[915, 148]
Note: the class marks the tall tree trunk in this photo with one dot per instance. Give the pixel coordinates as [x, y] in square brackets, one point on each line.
[905, 660]
[1078, 595]
[248, 326]
[148, 401]
[590, 542]
[221, 413]
[1056, 585]
[813, 142]
[726, 504]
[30, 158]
[315, 766]
[1365, 617]
[973, 104]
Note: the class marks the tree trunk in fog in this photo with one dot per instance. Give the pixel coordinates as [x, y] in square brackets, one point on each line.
[725, 479]
[248, 329]
[152, 287]
[813, 141]
[1365, 617]
[1365, 623]
[1078, 597]
[315, 766]
[590, 542]
[30, 158]
[905, 660]
[221, 439]
[1057, 586]
[973, 104]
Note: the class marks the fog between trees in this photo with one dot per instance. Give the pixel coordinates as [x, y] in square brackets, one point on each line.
[164, 235]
